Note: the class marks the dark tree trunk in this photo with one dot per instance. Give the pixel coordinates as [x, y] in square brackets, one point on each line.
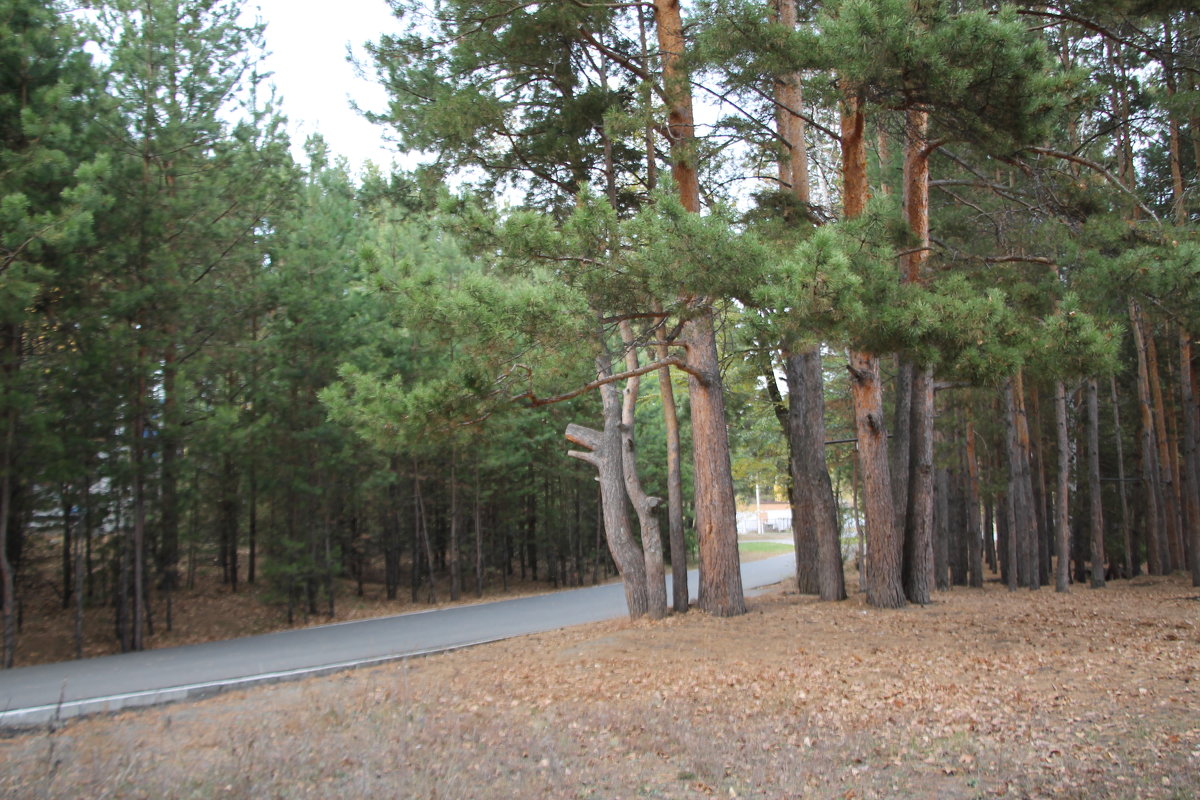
[453, 556]
[1062, 500]
[1150, 474]
[885, 547]
[900, 444]
[1096, 500]
[422, 522]
[529, 553]
[813, 506]
[230, 514]
[1173, 550]
[1033, 550]
[675, 534]
[1008, 538]
[1023, 528]
[604, 453]
[975, 536]
[941, 549]
[989, 535]
[67, 555]
[1132, 565]
[478, 534]
[7, 578]
[859, 534]
[1014, 517]
[138, 538]
[959, 545]
[391, 539]
[168, 560]
[643, 504]
[1037, 471]
[1191, 454]
[78, 598]
[918, 534]
[252, 531]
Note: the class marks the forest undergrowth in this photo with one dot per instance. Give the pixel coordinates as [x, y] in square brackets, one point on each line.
[1091, 694]
[208, 611]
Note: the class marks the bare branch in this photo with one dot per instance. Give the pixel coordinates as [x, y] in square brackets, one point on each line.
[636, 69]
[1020, 259]
[535, 401]
[1092, 165]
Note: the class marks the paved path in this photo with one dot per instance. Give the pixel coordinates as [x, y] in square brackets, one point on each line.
[41, 694]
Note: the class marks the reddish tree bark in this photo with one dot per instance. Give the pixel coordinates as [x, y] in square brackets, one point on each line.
[1155, 558]
[1173, 552]
[884, 585]
[716, 512]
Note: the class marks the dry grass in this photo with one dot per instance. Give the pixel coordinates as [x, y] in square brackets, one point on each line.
[982, 694]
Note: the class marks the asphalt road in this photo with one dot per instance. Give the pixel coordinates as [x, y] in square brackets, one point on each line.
[38, 695]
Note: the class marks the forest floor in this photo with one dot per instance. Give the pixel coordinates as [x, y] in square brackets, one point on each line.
[984, 693]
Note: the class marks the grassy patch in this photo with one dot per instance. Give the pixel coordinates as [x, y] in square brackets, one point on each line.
[768, 548]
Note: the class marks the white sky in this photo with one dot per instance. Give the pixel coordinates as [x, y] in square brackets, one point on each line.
[307, 43]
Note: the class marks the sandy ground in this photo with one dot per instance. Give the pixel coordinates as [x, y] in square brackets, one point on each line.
[981, 694]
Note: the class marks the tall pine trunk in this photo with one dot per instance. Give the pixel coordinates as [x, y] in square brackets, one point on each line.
[604, 453]
[918, 528]
[1190, 456]
[8, 597]
[643, 504]
[1062, 499]
[478, 519]
[716, 512]
[975, 542]
[1156, 559]
[814, 508]
[913, 487]
[1022, 524]
[884, 584]
[675, 534]
[813, 501]
[1173, 552]
[1132, 563]
[1037, 467]
[1096, 504]
[455, 522]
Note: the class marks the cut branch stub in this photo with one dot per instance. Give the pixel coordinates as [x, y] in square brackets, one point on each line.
[584, 437]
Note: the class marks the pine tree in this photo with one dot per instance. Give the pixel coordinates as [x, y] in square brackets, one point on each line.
[50, 108]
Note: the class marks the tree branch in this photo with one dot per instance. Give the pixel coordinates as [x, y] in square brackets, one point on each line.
[584, 436]
[535, 401]
[1019, 259]
[1092, 165]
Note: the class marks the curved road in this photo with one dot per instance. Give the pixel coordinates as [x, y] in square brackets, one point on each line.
[42, 694]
